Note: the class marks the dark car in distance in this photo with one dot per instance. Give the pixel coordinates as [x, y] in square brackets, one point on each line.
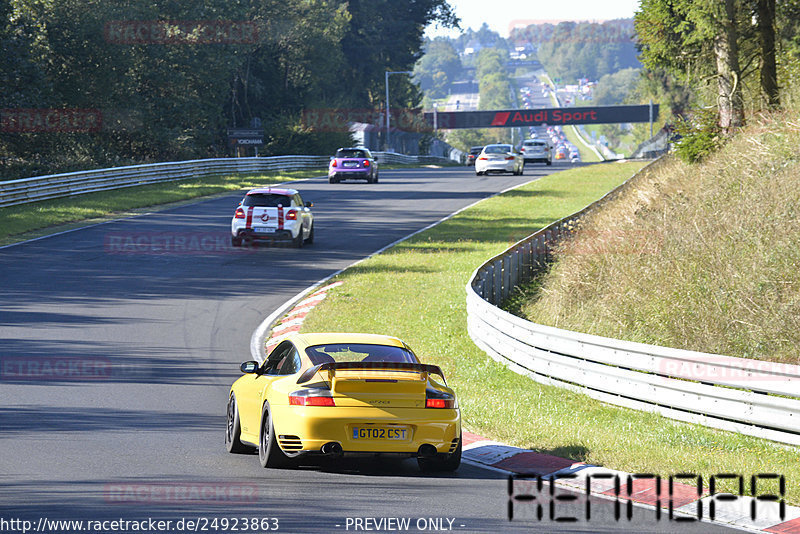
[473, 153]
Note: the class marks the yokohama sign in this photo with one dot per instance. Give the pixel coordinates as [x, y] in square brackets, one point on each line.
[512, 118]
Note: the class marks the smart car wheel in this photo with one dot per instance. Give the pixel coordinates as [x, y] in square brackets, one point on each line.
[236, 241]
[297, 242]
[269, 453]
[310, 238]
[233, 430]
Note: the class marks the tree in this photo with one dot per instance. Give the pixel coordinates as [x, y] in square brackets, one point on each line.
[686, 36]
[766, 33]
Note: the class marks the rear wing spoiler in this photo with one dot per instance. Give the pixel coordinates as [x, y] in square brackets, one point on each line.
[382, 366]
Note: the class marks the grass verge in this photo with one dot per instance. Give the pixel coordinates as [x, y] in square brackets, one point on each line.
[415, 291]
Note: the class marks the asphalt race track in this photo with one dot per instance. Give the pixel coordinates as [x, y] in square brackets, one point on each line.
[116, 364]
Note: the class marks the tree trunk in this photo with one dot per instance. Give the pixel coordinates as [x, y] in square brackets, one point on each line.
[731, 105]
[766, 37]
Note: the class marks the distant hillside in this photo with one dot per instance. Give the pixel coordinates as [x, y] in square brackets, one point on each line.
[572, 50]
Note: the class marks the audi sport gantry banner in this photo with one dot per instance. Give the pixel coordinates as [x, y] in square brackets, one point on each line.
[512, 118]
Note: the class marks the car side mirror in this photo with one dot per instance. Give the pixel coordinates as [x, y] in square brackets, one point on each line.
[309, 204]
[249, 367]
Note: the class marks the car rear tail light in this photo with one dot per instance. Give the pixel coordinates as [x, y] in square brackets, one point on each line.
[291, 215]
[439, 399]
[439, 403]
[366, 163]
[311, 398]
[239, 214]
[509, 157]
[483, 158]
[333, 163]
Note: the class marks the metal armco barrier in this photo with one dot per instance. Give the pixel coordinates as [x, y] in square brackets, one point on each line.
[27, 190]
[748, 396]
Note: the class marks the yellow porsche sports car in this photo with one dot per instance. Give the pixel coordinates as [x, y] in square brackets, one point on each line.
[344, 394]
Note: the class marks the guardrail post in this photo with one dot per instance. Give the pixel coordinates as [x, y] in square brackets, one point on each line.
[498, 282]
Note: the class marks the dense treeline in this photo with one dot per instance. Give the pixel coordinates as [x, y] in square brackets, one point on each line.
[168, 78]
[573, 50]
[731, 56]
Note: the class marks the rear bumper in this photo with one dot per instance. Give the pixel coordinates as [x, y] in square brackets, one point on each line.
[503, 166]
[304, 429]
[355, 174]
[251, 235]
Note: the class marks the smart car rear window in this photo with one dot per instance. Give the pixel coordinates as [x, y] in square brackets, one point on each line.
[350, 153]
[267, 200]
[359, 352]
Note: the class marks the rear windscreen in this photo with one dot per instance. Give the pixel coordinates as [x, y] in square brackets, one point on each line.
[267, 200]
[359, 352]
[347, 153]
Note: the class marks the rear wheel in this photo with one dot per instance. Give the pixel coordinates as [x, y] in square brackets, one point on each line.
[269, 453]
[310, 238]
[442, 462]
[236, 241]
[297, 242]
[233, 430]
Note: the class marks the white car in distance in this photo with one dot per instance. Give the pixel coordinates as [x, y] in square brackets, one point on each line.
[499, 158]
[271, 214]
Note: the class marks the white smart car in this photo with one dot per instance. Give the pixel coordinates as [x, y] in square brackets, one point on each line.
[499, 158]
[268, 214]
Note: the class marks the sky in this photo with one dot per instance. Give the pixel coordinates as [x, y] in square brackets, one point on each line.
[503, 15]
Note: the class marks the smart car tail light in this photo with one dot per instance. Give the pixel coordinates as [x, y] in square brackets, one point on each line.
[333, 163]
[509, 157]
[291, 215]
[239, 213]
[366, 163]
